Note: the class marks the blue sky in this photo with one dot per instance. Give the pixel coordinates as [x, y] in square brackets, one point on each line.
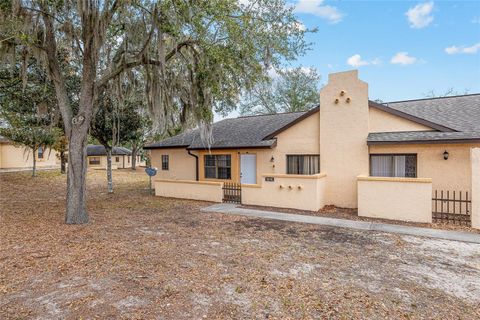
[403, 49]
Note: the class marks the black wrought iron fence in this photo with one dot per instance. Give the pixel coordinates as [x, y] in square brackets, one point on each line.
[232, 192]
[452, 207]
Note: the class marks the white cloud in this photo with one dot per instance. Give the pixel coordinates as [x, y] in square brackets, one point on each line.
[468, 50]
[420, 16]
[356, 61]
[476, 20]
[376, 61]
[319, 9]
[403, 58]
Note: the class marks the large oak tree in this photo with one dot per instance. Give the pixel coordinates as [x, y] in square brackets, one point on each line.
[195, 56]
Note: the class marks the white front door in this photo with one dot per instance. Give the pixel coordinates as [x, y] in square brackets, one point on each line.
[248, 168]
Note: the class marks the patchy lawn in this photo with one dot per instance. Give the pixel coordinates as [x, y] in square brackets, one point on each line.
[144, 257]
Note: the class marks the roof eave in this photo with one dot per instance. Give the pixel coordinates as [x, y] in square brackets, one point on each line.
[432, 141]
[234, 147]
[166, 147]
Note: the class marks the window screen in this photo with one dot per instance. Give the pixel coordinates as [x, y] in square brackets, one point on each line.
[94, 160]
[165, 162]
[393, 165]
[218, 166]
[303, 164]
[40, 153]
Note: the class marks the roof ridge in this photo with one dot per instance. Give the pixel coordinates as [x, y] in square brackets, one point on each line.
[273, 114]
[433, 98]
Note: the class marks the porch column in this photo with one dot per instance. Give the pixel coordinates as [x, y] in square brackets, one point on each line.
[475, 160]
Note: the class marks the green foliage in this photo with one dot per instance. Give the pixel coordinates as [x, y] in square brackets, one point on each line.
[289, 90]
[191, 57]
[28, 108]
[117, 124]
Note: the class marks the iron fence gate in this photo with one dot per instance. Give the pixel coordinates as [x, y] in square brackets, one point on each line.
[452, 207]
[232, 192]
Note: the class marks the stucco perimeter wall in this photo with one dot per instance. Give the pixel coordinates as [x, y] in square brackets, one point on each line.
[475, 159]
[405, 199]
[18, 157]
[453, 174]
[194, 190]
[287, 191]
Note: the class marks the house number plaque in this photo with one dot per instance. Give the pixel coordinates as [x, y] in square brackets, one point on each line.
[269, 179]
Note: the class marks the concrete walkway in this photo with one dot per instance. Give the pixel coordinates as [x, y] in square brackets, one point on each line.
[228, 208]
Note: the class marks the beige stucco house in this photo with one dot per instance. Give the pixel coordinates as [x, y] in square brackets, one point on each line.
[389, 160]
[121, 157]
[14, 157]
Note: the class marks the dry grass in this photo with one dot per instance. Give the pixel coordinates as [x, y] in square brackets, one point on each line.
[144, 257]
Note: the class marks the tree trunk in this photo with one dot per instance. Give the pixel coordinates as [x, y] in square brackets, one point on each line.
[134, 157]
[109, 170]
[76, 177]
[63, 161]
[34, 167]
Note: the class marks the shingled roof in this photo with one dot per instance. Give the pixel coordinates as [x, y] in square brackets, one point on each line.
[409, 137]
[452, 119]
[456, 119]
[241, 132]
[99, 150]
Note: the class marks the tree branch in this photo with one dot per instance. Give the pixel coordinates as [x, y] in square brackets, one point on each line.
[102, 82]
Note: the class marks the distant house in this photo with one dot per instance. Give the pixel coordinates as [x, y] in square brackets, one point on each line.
[121, 157]
[17, 157]
[386, 159]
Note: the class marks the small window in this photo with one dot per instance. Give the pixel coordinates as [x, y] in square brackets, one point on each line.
[218, 166]
[94, 160]
[117, 159]
[393, 165]
[40, 153]
[164, 161]
[303, 164]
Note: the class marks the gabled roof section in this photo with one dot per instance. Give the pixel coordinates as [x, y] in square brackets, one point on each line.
[460, 113]
[453, 119]
[99, 150]
[241, 132]
[303, 116]
[408, 116]
[456, 119]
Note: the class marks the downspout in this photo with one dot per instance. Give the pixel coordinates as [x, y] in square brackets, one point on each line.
[196, 163]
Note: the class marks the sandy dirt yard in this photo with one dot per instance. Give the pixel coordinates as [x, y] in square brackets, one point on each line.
[144, 257]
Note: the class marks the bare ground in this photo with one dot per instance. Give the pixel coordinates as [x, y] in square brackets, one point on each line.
[144, 257]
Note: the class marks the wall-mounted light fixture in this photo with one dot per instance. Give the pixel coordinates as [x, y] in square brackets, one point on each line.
[445, 155]
[272, 159]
